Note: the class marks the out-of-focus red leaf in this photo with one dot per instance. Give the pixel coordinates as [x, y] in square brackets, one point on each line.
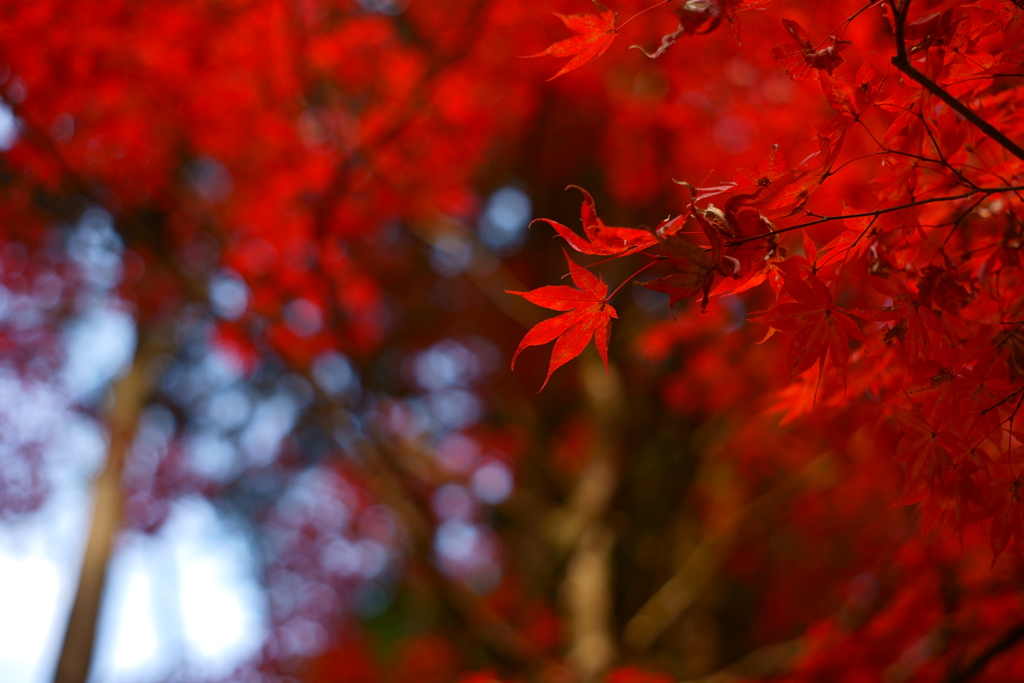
[596, 34]
[821, 329]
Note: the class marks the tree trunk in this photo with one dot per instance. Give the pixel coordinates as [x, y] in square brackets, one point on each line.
[128, 397]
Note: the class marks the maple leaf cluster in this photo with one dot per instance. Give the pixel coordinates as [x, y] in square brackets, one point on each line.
[908, 291]
[944, 320]
[797, 453]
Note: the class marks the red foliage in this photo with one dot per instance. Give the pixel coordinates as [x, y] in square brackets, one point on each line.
[597, 33]
[311, 187]
[589, 317]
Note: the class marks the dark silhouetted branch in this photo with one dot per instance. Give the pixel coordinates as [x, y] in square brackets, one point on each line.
[902, 62]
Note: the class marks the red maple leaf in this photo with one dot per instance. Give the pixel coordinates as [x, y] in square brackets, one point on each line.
[695, 266]
[730, 8]
[589, 317]
[771, 168]
[928, 448]
[601, 239]
[597, 32]
[821, 328]
[801, 60]
[1003, 502]
[849, 99]
[919, 328]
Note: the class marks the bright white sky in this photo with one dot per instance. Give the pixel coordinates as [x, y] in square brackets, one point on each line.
[185, 599]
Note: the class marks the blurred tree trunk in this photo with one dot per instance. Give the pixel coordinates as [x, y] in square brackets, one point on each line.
[128, 396]
[587, 591]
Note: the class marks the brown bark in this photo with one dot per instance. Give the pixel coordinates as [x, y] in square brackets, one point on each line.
[587, 591]
[128, 396]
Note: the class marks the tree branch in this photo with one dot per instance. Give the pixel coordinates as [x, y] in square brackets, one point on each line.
[878, 212]
[764, 662]
[383, 462]
[1009, 639]
[902, 62]
[702, 564]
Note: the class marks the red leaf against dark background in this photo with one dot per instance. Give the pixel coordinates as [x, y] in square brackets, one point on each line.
[589, 317]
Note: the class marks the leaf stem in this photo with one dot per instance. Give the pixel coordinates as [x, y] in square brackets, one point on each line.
[643, 11]
[630, 279]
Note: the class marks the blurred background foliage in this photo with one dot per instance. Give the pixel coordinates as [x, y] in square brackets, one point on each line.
[256, 344]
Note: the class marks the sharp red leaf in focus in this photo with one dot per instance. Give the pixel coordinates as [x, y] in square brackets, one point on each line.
[601, 239]
[589, 317]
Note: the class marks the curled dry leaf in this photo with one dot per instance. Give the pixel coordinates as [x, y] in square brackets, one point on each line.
[801, 60]
[696, 17]
[601, 240]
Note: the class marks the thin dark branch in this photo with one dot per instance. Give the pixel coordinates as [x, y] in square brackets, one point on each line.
[941, 161]
[902, 62]
[1009, 639]
[877, 212]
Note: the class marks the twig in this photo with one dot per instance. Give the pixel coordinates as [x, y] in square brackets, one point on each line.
[385, 467]
[878, 212]
[763, 662]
